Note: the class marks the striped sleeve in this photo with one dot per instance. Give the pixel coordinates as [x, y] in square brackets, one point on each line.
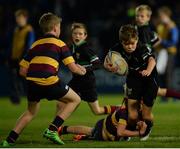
[67, 57]
[24, 63]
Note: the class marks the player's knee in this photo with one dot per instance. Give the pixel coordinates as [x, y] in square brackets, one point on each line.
[147, 115]
[77, 100]
[161, 92]
[133, 116]
[30, 115]
[96, 111]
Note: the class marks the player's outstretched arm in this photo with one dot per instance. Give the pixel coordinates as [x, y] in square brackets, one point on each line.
[123, 132]
[76, 68]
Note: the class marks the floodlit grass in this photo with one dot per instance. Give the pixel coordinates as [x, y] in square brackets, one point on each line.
[166, 130]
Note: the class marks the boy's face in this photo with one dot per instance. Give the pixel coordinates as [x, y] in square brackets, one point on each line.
[130, 46]
[142, 17]
[78, 35]
[21, 20]
[163, 17]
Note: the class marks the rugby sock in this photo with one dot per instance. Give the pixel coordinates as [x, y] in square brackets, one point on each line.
[12, 137]
[64, 130]
[149, 126]
[149, 123]
[172, 93]
[110, 109]
[58, 121]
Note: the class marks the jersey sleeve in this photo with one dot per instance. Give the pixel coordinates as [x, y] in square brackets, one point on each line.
[66, 54]
[94, 60]
[146, 52]
[122, 117]
[25, 61]
[153, 38]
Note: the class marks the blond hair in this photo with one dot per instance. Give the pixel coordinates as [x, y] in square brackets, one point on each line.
[165, 10]
[144, 7]
[48, 20]
[78, 25]
[20, 12]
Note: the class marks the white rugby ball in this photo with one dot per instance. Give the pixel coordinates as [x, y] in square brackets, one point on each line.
[117, 61]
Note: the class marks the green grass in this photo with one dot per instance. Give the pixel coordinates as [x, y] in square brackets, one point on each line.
[166, 130]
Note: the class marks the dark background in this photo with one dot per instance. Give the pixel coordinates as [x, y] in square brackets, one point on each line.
[102, 17]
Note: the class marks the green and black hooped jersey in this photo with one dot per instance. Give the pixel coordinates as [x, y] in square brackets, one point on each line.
[85, 56]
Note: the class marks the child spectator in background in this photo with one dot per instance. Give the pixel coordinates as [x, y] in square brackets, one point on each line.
[22, 38]
[169, 34]
[152, 39]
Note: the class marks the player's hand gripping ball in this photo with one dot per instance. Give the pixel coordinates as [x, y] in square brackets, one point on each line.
[114, 62]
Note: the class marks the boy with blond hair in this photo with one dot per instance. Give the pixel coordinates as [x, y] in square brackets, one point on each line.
[149, 37]
[40, 68]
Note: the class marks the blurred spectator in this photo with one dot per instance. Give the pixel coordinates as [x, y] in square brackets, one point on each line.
[167, 50]
[22, 38]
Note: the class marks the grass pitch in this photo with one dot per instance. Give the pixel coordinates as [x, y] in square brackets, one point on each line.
[166, 130]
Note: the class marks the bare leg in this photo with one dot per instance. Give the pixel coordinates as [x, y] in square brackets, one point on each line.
[95, 108]
[147, 113]
[26, 117]
[133, 107]
[165, 92]
[60, 106]
[80, 130]
[72, 100]
[162, 92]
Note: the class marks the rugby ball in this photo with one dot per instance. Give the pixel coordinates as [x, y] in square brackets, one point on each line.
[117, 60]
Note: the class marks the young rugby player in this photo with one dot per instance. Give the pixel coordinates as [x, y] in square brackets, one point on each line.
[40, 67]
[142, 77]
[111, 128]
[147, 36]
[85, 85]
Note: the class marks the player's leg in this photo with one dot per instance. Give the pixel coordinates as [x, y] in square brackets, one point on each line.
[133, 108]
[96, 108]
[148, 118]
[85, 130]
[60, 106]
[165, 92]
[72, 100]
[22, 122]
[149, 96]
[134, 93]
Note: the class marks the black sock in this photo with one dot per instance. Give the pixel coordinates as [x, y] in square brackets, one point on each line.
[149, 123]
[58, 121]
[64, 130]
[149, 127]
[12, 137]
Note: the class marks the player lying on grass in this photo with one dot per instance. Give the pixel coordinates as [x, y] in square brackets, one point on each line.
[112, 128]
